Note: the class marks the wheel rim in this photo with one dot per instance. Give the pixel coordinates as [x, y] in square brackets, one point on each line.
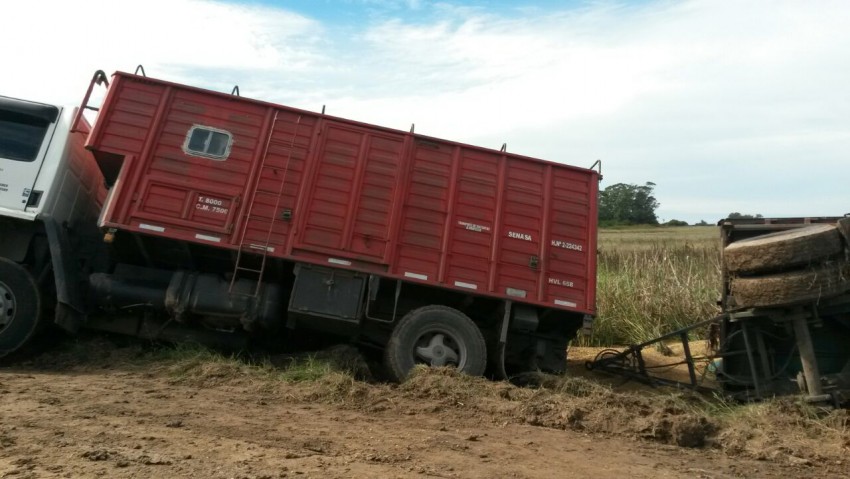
[439, 348]
[7, 306]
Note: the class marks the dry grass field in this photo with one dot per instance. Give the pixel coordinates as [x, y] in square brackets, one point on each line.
[653, 280]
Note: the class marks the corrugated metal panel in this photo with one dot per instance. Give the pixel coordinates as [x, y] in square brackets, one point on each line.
[467, 252]
[349, 204]
[350, 194]
[128, 112]
[286, 162]
[572, 240]
[521, 229]
[369, 230]
[424, 211]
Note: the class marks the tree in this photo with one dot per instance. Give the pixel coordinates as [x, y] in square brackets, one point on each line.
[628, 204]
[739, 216]
[676, 223]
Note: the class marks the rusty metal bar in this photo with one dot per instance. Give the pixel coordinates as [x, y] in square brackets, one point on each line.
[686, 348]
[807, 356]
[630, 362]
[751, 360]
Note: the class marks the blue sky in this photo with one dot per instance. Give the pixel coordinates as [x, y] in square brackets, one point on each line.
[725, 105]
[347, 12]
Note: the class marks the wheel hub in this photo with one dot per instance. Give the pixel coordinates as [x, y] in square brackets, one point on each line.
[7, 305]
[437, 352]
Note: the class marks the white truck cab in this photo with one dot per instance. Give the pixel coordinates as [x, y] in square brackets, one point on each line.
[51, 191]
[43, 166]
[26, 130]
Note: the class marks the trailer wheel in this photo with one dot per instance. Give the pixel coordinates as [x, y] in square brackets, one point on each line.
[780, 289]
[783, 249]
[20, 306]
[435, 336]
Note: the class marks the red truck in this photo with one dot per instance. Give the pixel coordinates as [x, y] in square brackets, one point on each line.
[232, 216]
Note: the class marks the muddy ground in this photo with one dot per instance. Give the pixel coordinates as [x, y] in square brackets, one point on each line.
[106, 410]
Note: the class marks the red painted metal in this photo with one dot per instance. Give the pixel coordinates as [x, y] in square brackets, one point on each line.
[98, 79]
[354, 195]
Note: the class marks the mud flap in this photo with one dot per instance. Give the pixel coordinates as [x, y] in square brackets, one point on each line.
[70, 303]
[496, 353]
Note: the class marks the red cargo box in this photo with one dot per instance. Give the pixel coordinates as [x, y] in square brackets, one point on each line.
[232, 172]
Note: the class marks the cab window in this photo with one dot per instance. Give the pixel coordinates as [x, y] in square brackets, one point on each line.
[21, 135]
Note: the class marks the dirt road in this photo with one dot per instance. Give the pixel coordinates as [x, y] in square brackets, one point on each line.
[113, 418]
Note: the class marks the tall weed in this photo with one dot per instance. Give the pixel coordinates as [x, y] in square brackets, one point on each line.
[652, 281]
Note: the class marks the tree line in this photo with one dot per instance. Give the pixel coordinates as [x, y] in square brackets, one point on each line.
[625, 204]
[630, 204]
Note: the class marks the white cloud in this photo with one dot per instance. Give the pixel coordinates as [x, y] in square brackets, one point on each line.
[51, 48]
[727, 103]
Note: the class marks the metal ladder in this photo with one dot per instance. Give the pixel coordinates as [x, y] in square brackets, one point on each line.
[255, 249]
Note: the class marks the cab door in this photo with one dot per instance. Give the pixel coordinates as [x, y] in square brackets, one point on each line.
[25, 132]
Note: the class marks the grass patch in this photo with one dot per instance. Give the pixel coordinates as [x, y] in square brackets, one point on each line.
[782, 428]
[201, 366]
[308, 368]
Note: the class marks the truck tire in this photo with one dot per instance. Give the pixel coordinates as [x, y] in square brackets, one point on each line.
[782, 249]
[435, 336]
[781, 289]
[20, 306]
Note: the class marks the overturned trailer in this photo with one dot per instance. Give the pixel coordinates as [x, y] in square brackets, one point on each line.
[784, 321]
[785, 326]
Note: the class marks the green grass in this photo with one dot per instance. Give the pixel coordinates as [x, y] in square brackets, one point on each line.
[194, 363]
[653, 280]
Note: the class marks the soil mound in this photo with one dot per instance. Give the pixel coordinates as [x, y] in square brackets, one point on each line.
[576, 403]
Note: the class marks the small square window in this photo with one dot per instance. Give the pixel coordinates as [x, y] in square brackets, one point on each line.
[208, 142]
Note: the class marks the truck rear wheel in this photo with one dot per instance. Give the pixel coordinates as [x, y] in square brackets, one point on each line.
[435, 336]
[20, 306]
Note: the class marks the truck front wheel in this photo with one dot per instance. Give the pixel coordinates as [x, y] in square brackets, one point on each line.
[435, 336]
[20, 306]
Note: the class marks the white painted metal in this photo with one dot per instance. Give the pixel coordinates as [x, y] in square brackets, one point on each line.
[70, 193]
[17, 178]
